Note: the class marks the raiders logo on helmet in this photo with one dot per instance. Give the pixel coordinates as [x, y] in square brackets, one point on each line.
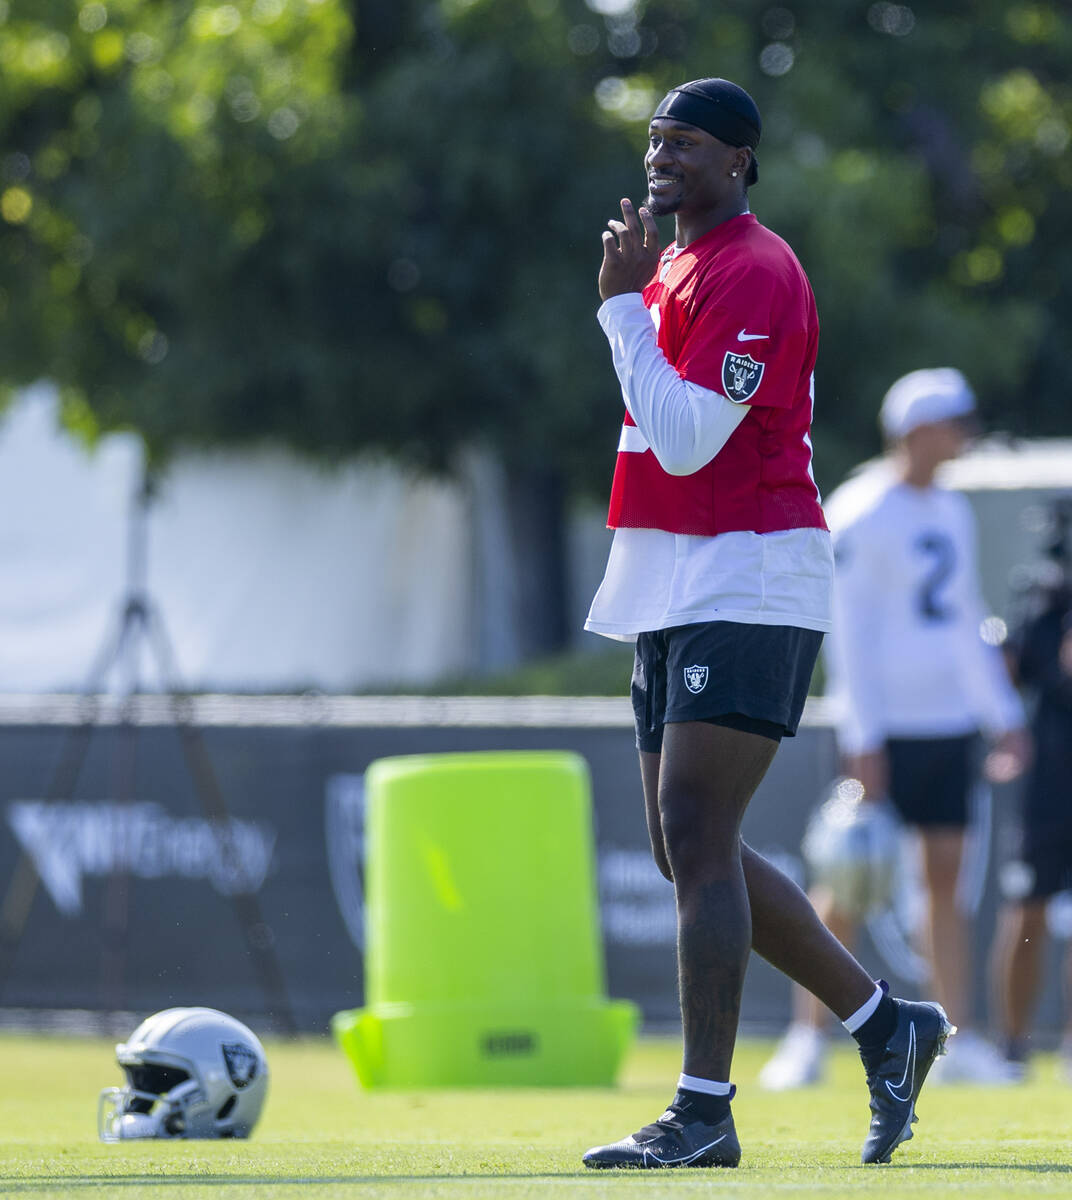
[241, 1062]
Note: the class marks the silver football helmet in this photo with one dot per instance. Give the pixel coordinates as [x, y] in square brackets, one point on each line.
[851, 845]
[191, 1073]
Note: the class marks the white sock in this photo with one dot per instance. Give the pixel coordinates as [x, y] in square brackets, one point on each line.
[864, 1011]
[709, 1087]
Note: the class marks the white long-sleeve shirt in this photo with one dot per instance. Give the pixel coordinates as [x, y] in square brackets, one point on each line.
[906, 657]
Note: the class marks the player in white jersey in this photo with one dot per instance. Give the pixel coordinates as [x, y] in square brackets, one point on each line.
[914, 684]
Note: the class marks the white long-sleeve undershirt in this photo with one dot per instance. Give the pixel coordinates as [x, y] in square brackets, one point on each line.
[685, 425]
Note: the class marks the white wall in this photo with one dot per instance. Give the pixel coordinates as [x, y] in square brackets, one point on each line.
[269, 573]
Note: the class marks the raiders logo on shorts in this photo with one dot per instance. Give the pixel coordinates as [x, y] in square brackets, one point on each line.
[740, 376]
[696, 678]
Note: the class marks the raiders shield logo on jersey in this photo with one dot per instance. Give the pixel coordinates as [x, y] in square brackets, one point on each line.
[740, 376]
[241, 1063]
[696, 678]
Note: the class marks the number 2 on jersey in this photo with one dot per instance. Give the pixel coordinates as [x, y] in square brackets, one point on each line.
[941, 556]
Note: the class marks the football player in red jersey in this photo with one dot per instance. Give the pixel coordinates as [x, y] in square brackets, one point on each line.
[720, 569]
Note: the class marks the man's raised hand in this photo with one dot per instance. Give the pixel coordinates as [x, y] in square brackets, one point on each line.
[630, 253]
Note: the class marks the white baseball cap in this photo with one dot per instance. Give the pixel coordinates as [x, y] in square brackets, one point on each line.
[923, 397]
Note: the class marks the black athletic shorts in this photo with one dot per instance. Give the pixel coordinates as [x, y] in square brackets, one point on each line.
[750, 677]
[931, 778]
[1045, 862]
[1045, 865]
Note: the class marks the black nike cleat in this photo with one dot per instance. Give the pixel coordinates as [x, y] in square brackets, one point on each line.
[896, 1074]
[674, 1140]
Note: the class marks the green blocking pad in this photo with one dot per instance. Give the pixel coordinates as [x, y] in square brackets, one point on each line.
[484, 959]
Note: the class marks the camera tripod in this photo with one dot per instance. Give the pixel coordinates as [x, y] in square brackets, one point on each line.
[139, 626]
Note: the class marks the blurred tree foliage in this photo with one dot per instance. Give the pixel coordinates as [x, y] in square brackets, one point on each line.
[375, 224]
[174, 182]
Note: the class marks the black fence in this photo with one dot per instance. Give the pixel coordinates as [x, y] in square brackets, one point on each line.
[214, 855]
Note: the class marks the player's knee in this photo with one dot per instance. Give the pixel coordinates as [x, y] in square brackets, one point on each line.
[942, 867]
[698, 847]
[942, 893]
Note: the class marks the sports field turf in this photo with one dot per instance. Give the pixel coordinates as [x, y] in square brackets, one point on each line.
[321, 1136]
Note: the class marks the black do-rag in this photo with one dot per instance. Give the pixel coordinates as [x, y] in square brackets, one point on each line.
[722, 109]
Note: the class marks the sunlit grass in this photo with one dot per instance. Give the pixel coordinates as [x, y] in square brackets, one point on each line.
[322, 1136]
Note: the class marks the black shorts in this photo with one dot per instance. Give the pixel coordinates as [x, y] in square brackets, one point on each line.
[1045, 866]
[931, 778]
[751, 677]
[1045, 863]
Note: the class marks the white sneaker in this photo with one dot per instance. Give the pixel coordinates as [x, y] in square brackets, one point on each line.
[972, 1059]
[797, 1062]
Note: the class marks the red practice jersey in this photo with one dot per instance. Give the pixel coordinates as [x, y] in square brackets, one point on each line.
[734, 313]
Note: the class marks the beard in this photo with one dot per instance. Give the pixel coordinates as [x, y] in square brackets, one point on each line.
[662, 206]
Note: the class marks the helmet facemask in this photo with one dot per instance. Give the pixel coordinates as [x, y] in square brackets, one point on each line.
[152, 1105]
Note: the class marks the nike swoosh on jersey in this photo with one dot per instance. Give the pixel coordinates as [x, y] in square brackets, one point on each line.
[752, 337]
[909, 1076]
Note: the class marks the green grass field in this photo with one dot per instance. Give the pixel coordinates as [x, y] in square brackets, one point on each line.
[321, 1136]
